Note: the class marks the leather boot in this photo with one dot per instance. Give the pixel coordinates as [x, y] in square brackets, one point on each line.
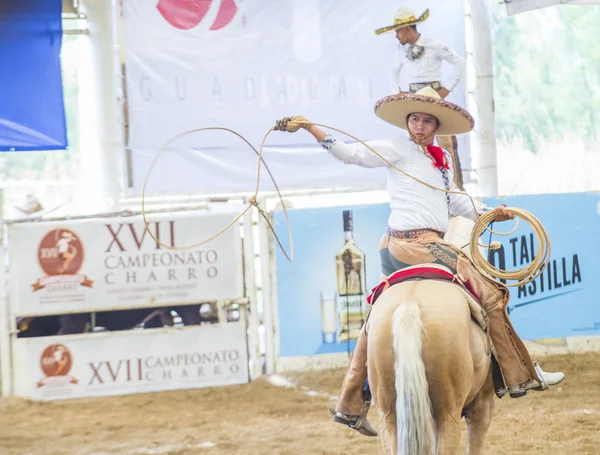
[352, 408]
[547, 379]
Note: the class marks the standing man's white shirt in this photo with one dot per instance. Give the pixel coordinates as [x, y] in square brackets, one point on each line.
[428, 67]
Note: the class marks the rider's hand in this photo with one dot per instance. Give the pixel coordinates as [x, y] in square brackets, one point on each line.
[502, 214]
[293, 124]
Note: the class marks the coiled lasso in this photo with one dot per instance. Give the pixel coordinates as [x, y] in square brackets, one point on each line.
[522, 276]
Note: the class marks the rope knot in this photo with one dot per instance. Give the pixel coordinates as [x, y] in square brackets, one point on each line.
[254, 202]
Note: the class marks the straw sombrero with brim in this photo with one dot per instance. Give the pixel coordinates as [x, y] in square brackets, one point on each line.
[404, 17]
[453, 119]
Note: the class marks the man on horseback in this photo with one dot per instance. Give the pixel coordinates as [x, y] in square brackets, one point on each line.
[418, 220]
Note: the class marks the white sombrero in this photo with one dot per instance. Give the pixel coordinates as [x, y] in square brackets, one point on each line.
[404, 17]
[453, 119]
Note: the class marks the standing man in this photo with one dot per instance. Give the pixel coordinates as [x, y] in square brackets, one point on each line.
[422, 56]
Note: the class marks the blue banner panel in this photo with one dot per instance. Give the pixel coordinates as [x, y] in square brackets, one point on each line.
[311, 309]
[32, 114]
[563, 302]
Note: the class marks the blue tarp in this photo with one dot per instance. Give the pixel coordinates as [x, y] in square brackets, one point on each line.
[32, 113]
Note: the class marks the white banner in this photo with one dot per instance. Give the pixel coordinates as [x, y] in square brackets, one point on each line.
[128, 362]
[243, 65]
[109, 263]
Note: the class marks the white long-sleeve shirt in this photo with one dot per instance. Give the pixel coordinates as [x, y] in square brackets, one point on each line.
[413, 205]
[428, 67]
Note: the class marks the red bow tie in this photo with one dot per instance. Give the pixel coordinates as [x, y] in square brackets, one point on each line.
[439, 156]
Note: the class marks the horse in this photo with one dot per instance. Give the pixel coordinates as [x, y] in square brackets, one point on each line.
[429, 364]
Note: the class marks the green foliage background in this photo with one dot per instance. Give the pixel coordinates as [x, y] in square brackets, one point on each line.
[547, 74]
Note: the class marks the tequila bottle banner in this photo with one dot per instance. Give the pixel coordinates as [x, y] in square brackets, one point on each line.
[351, 284]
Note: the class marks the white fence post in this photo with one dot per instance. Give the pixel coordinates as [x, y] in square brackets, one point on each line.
[481, 97]
[250, 277]
[266, 258]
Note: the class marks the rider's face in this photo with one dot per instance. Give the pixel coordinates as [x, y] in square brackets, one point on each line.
[421, 124]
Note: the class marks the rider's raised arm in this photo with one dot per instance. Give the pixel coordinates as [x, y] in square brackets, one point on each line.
[357, 153]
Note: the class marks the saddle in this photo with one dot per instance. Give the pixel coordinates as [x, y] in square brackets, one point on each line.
[434, 272]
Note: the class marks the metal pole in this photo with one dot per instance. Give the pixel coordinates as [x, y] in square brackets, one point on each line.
[481, 97]
[5, 314]
[250, 276]
[101, 100]
[266, 256]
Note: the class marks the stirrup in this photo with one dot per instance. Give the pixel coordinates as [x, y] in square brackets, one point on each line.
[515, 392]
[521, 391]
[358, 423]
[353, 421]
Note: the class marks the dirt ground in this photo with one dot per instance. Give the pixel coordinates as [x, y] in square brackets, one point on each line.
[262, 418]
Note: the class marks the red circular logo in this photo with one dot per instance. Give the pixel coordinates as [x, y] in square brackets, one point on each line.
[186, 14]
[56, 360]
[60, 253]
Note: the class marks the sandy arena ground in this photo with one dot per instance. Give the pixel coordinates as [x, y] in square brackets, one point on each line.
[262, 418]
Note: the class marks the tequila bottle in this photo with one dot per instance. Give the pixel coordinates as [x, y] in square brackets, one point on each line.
[350, 271]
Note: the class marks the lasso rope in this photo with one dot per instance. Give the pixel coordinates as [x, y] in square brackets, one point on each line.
[526, 274]
[251, 202]
[523, 275]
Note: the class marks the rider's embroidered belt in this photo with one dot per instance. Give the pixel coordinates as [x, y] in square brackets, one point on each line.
[412, 234]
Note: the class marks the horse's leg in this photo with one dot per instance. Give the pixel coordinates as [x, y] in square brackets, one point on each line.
[385, 400]
[448, 433]
[479, 417]
[381, 380]
[451, 368]
[448, 405]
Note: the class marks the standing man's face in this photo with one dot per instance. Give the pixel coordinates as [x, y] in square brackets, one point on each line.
[402, 34]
